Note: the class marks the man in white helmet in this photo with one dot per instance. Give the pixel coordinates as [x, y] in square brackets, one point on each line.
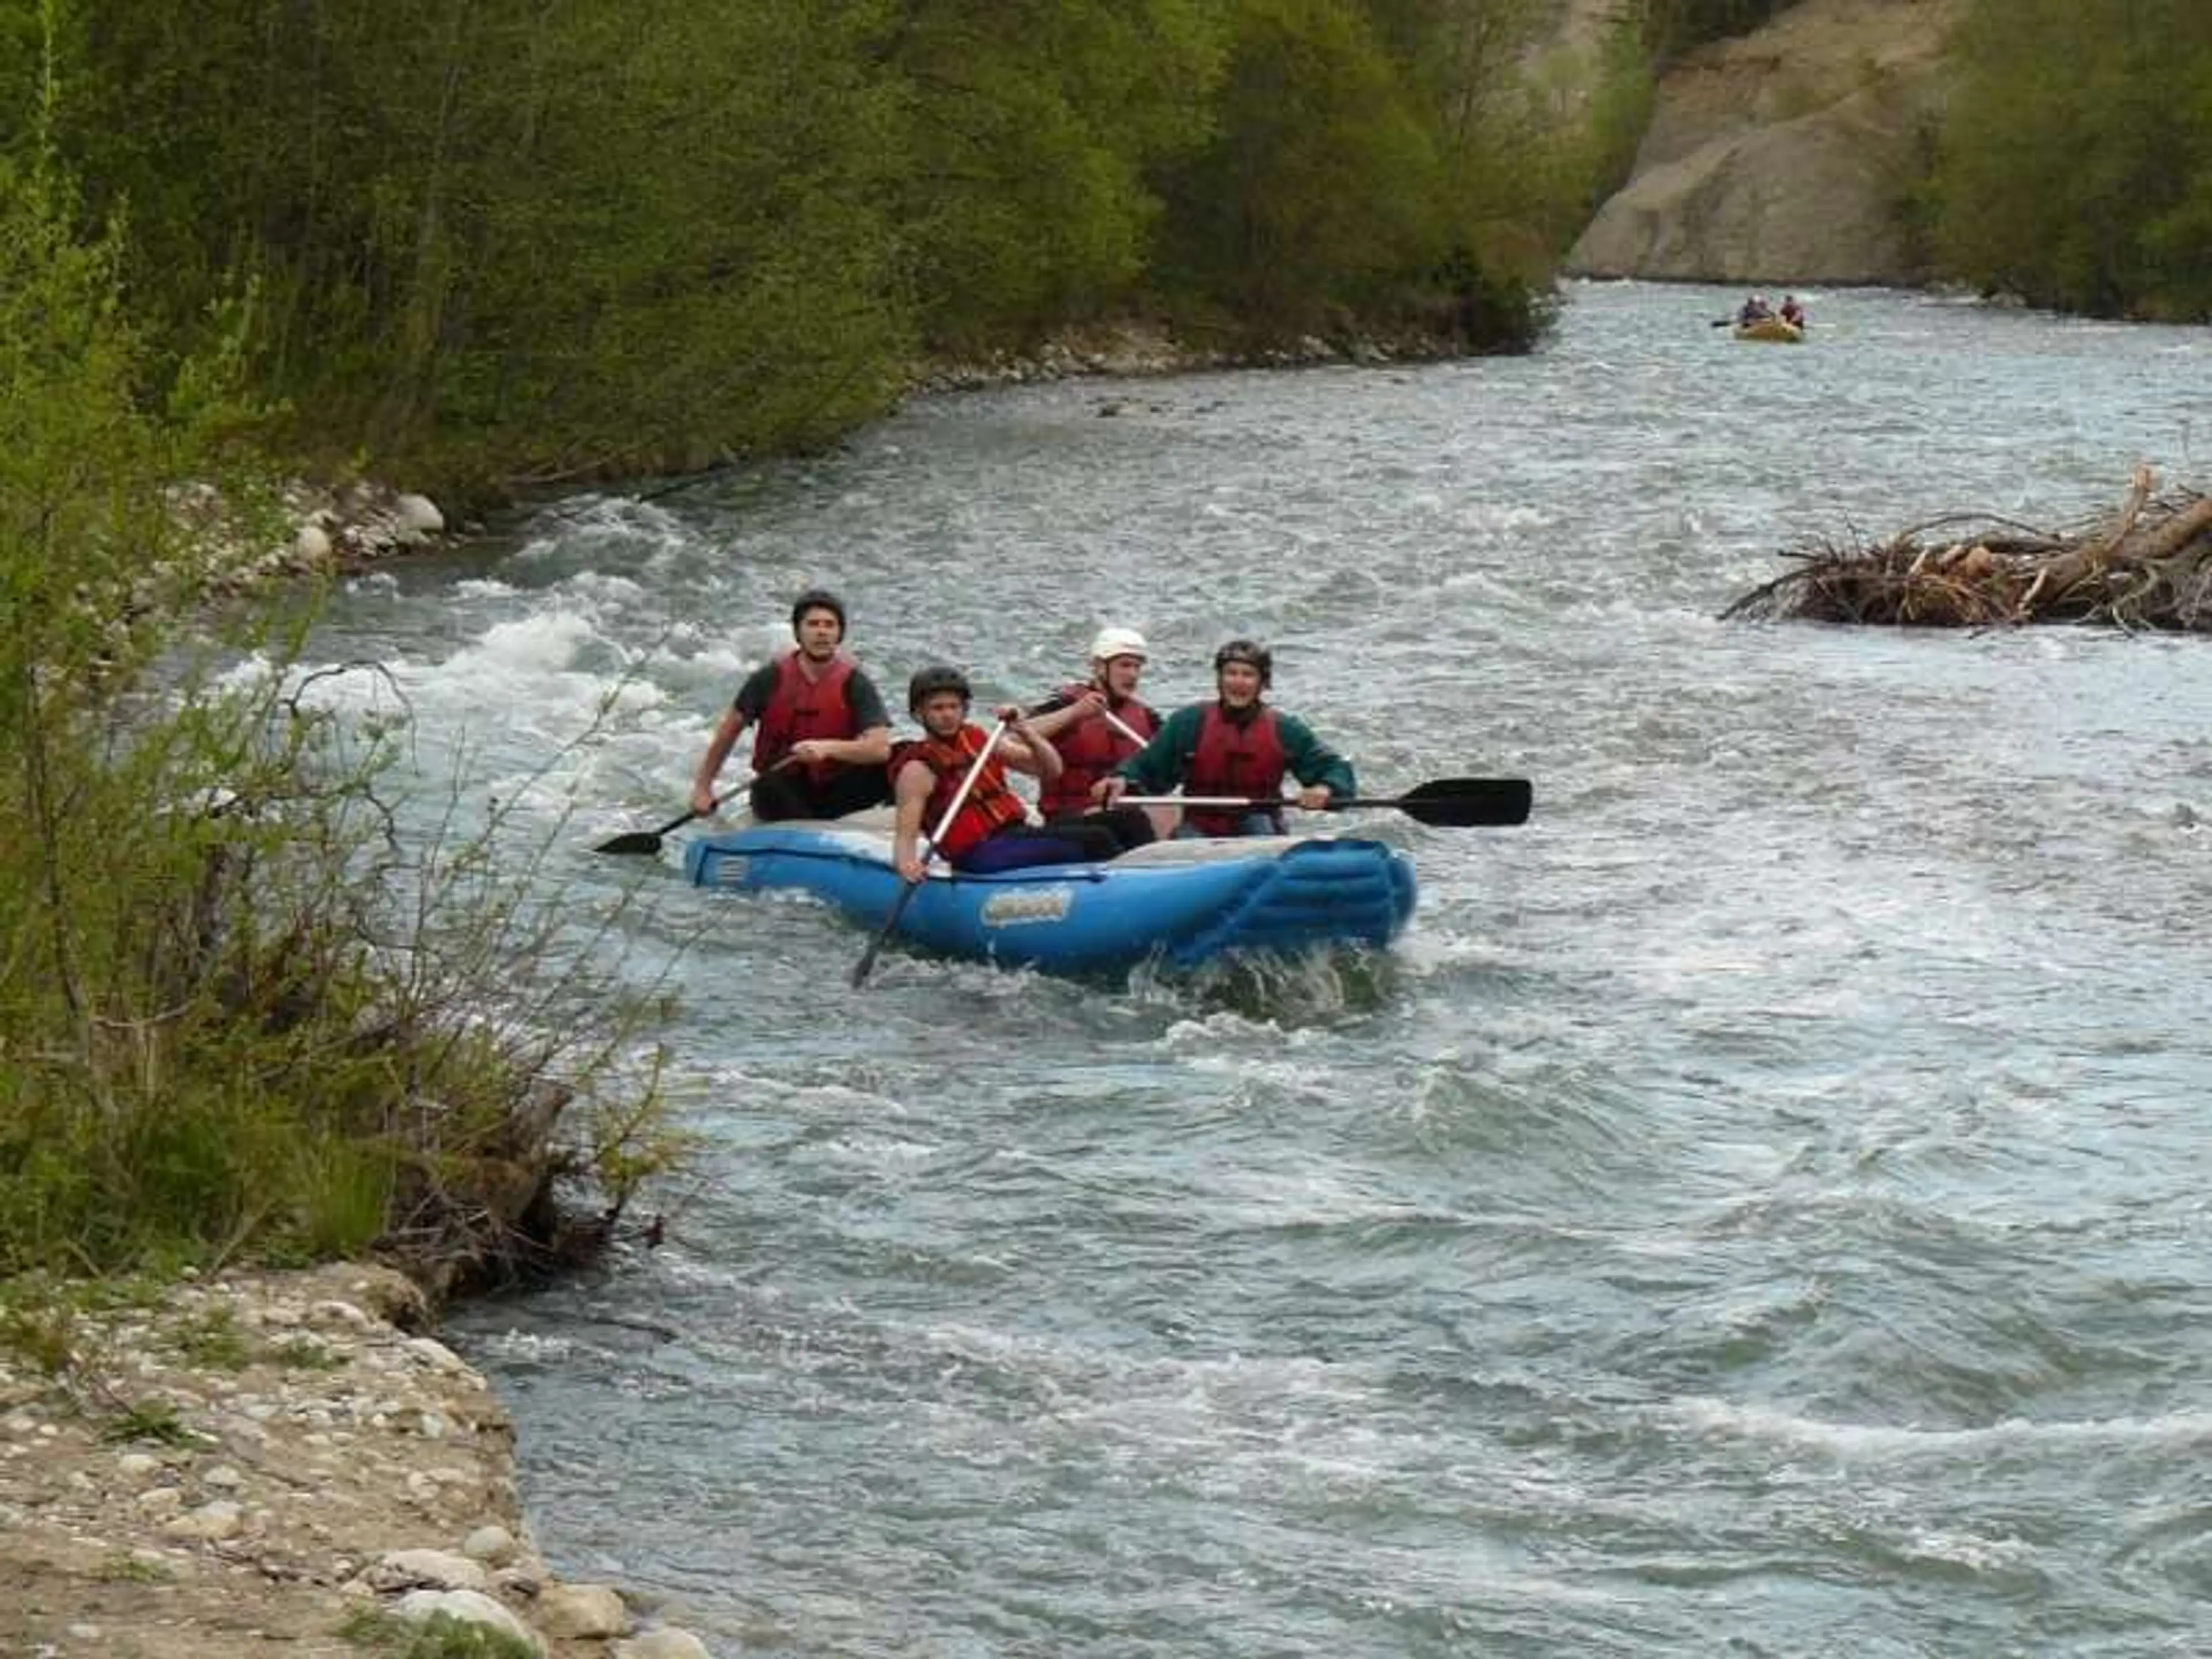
[1095, 725]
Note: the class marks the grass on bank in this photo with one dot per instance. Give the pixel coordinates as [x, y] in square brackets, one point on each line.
[242, 1016]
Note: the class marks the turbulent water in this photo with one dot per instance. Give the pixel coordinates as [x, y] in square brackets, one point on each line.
[1759, 1208]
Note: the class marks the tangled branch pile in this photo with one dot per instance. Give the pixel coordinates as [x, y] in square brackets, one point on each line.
[2148, 566]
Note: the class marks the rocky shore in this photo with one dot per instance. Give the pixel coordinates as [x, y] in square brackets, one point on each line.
[273, 1462]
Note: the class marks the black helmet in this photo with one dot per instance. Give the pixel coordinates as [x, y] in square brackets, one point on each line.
[818, 598]
[929, 681]
[1247, 651]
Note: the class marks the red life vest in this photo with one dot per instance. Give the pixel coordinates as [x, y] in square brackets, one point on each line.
[991, 805]
[1088, 749]
[1234, 760]
[798, 708]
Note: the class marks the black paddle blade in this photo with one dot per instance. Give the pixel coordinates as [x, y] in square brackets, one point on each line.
[637, 841]
[645, 840]
[1466, 803]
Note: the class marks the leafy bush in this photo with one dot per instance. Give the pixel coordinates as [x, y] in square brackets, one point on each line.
[237, 1015]
[2074, 166]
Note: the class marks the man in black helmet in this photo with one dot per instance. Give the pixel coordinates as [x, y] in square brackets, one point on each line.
[823, 735]
[956, 760]
[1238, 746]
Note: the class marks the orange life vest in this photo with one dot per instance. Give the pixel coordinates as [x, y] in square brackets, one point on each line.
[800, 707]
[1234, 760]
[1088, 749]
[991, 805]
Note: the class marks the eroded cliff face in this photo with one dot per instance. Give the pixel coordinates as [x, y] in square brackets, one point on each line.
[1782, 157]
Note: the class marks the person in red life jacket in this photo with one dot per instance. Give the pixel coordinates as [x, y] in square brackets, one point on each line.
[992, 830]
[1093, 725]
[822, 735]
[1238, 745]
[1792, 312]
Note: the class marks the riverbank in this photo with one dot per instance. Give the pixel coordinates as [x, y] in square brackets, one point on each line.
[1146, 349]
[272, 1462]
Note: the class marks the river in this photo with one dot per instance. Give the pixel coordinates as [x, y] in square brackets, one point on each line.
[1759, 1208]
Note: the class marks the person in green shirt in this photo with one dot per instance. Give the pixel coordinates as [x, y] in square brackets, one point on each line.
[1237, 746]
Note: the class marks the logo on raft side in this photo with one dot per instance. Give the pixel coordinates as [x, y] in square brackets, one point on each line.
[1030, 904]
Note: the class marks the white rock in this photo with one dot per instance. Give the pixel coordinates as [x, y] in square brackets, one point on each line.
[494, 1546]
[223, 1478]
[435, 1354]
[419, 515]
[137, 1464]
[161, 1500]
[665, 1642]
[218, 1520]
[440, 1569]
[334, 1312]
[585, 1610]
[472, 1607]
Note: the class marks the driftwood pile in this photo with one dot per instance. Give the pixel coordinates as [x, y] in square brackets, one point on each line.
[2148, 566]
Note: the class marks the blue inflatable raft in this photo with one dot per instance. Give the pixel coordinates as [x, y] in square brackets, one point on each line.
[1182, 902]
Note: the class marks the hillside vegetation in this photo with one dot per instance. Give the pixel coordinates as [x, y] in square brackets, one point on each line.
[523, 241]
[2074, 169]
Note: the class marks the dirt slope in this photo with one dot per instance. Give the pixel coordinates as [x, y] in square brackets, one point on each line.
[1780, 157]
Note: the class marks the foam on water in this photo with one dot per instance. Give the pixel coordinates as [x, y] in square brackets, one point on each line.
[1759, 1201]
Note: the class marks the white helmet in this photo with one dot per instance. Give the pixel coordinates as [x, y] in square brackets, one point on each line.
[1114, 643]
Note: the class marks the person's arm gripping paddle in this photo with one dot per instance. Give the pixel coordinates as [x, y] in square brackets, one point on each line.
[913, 860]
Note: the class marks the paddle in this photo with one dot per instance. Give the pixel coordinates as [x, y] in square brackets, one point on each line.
[928, 851]
[1125, 728]
[1054, 705]
[649, 840]
[1447, 803]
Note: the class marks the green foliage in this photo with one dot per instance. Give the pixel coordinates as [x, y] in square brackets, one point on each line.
[1279, 219]
[1358, 173]
[155, 1419]
[38, 1330]
[214, 1339]
[441, 1636]
[2076, 162]
[236, 1015]
[118, 1568]
[1028, 126]
[301, 1353]
[539, 236]
[533, 239]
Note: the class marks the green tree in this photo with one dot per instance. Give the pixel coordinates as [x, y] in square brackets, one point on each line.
[1031, 125]
[2076, 160]
[1322, 183]
[537, 235]
[218, 1035]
